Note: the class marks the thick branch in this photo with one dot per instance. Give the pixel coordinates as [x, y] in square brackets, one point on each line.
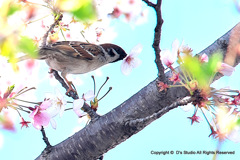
[142, 122]
[110, 130]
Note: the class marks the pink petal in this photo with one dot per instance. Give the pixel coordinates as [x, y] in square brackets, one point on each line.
[45, 104]
[60, 102]
[53, 123]
[89, 95]
[34, 112]
[175, 46]
[126, 68]
[53, 111]
[77, 105]
[235, 135]
[181, 47]
[58, 94]
[37, 126]
[136, 50]
[135, 62]
[203, 58]
[226, 69]
[167, 57]
[62, 109]
[41, 119]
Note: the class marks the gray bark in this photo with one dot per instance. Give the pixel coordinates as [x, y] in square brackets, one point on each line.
[112, 128]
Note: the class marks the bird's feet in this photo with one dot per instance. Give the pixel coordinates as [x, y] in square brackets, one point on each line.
[71, 88]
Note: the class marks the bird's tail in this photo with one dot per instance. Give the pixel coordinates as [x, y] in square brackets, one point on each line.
[41, 55]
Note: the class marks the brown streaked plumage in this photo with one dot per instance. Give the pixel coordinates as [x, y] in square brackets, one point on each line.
[74, 57]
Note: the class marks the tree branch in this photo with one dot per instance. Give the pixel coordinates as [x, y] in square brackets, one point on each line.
[110, 129]
[44, 39]
[157, 37]
[64, 85]
[149, 3]
[142, 122]
[45, 139]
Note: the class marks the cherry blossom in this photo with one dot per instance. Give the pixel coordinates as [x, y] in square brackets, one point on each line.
[169, 57]
[194, 118]
[226, 122]
[58, 104]
[88, 96]
[193, 85]
[235, 135]
[131, 61]
[203, 58]
[40, 115]
[24, 123]
[162, 86]
[175, 78]
[6, 121]
[78, 103]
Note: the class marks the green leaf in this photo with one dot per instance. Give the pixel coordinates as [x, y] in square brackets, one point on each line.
[85, 12]
[8, 92]
[1, 118]
[27, 46]
[211, 67]
[10, 89]
[238, 122]
[202, 72]
[194, 67]
[13, 8]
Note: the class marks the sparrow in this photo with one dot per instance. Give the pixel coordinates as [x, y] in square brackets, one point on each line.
[75, 57]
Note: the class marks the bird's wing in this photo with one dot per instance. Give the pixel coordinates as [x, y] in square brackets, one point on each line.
[77, 49]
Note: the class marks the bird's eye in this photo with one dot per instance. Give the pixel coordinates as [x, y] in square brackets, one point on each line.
[111, 52]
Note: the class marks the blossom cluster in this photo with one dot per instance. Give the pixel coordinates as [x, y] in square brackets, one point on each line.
[96, 29]
[196, 74]
[42, 113]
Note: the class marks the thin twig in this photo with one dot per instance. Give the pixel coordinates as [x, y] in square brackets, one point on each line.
[157, 37]
[45, 139]
[44, 39]
[149, 3]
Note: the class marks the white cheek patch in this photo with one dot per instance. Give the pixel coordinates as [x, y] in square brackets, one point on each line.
[115, 52]
[104, 51]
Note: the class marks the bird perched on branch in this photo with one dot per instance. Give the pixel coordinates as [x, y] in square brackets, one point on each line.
[74, 57]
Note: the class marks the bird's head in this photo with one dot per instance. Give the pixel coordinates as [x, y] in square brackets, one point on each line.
[115, 52]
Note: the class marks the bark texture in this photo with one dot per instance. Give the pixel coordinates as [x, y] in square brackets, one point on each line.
[113, 128]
